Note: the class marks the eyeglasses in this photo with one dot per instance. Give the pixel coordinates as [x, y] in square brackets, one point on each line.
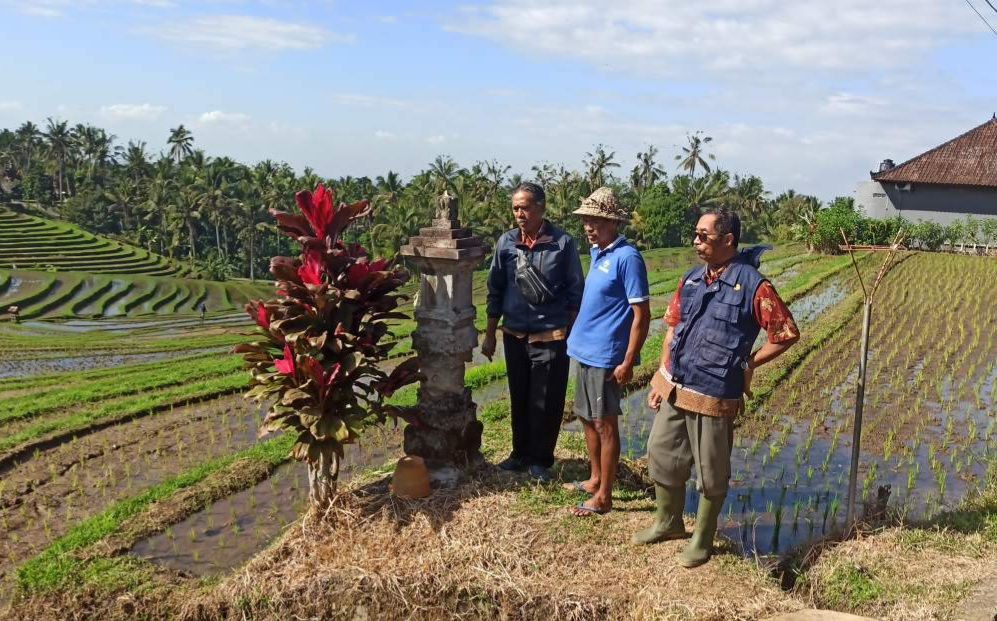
[703, 237]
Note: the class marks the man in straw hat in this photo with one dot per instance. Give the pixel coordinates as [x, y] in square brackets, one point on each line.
[610, 329]
[706, 365]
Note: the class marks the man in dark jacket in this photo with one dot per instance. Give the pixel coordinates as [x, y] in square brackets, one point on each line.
[534, 328]
[706, 364]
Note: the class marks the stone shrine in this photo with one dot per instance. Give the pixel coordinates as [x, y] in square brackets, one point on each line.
[445, 254]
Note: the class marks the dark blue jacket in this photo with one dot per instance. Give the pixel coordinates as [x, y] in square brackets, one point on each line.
[716, 330]
[556, 256]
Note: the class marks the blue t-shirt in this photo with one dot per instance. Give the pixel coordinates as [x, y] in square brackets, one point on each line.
[616, 279]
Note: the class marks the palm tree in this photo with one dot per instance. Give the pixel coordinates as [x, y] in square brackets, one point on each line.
[390, 183]
[260, 190]
[214, 199]
[184, 214]
[749, 194]
[28, 135]
[695, 154]
[596, 164]
[751, 199]
[136, 160]
[647, 172]
[122, 197]
[158, 192]
[59, 139]
[95, 146]
[398, 222]
[443, 171]
[544, 172]
[309, 180]
[181, 143]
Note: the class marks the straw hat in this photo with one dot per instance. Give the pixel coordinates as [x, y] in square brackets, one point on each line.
[603, 204]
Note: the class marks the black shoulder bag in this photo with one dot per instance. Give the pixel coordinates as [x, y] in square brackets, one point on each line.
[531, 282]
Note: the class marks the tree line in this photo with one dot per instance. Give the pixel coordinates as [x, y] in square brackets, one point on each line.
[213, 211]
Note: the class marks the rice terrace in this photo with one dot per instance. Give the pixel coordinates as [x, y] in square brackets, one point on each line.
[233, 387]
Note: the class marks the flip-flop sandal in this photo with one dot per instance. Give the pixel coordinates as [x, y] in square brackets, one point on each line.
[577, 486]
[587, 511]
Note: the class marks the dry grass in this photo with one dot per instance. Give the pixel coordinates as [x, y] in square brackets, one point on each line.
[477, 552]
[902, 573]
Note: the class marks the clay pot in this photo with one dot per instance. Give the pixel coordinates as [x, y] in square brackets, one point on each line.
[411, 479]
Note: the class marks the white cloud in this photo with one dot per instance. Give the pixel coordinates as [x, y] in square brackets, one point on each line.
[41, 11]
[133, 112]
[384, 135]
[10, 106]
[232, 33]
[675, 37]
[218, 117]
[849, 103]
[436, 139]
[368, 101]
[59, 8]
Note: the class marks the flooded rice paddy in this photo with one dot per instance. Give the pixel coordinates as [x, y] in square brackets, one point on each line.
[229, 532]
[41, 499]
[789, 487]
[30, 367]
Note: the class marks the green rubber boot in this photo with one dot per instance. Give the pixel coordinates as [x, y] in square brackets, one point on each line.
[701, 545]
[667, 525]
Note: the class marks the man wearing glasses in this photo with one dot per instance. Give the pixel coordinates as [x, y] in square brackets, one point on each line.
[706, 365]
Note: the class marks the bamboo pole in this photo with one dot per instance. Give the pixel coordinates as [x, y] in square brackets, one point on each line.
[869, 295]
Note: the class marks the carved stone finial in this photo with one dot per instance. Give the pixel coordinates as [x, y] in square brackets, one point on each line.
[446, 211]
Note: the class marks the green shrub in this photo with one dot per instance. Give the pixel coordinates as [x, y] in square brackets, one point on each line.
[928, 235]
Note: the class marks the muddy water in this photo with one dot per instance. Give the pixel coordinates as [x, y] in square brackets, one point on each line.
[148, 326]
[45, 366]
[15, 286]
[813, 305]
[789, 488]
[41, 499]
[228, 533]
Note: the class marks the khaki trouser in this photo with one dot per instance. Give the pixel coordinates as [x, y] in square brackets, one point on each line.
[681, 439]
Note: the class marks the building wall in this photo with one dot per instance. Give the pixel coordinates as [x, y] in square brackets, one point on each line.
[941, 204]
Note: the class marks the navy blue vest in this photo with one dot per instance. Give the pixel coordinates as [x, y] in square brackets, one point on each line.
[716, 330]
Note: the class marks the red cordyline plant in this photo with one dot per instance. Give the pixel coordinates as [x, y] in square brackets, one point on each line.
[323, 339]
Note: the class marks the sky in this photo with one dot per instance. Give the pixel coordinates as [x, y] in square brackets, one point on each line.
[806, 95]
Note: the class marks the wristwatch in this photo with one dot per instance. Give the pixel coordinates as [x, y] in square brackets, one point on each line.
[746, 363]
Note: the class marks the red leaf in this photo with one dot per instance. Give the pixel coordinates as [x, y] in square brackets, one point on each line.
[313, 268]
[406, 373]
[258, 311]
[346, 214]
[356, 274]
[292, 225]
[285, 366]
[284, 268]
[318, 209]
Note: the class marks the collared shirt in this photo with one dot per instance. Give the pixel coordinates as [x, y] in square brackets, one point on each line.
[617, 278]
